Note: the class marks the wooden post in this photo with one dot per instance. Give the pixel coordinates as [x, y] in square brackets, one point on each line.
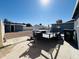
[1, 33]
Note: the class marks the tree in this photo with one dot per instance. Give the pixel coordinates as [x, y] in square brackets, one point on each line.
[28, 25]
[40, 24]
[7, 21]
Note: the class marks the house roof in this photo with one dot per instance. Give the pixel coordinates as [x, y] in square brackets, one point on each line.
[70, 21]
[76, 10]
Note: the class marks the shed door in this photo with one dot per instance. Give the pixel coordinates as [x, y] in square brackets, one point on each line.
[12, 28]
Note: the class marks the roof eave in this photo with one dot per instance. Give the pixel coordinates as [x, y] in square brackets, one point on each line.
[73, 14]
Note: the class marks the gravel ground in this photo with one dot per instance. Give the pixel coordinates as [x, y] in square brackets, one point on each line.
[44, 49]
[7, 49]
[41, 49]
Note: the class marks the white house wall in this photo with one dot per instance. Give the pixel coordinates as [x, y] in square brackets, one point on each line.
[76, 27]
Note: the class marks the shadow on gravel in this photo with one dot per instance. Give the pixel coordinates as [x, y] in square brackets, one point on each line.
[37, 46]
[5, 46]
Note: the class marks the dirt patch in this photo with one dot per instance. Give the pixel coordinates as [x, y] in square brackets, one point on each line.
[17, 34]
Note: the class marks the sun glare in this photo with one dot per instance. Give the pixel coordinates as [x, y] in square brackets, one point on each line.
[45, 2]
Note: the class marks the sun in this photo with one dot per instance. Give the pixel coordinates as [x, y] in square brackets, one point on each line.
[45, 2]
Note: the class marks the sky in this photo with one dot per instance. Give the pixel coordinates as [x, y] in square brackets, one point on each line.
[36, 11]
